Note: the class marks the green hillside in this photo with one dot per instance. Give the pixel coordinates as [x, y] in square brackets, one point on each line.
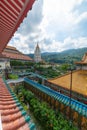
[68, 56]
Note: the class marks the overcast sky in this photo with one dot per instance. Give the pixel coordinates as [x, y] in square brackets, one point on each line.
[56, 25]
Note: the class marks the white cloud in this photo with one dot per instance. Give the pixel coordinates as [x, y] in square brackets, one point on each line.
[19, 42]
[81, 17]
[68, 43]
[56, 24]
[59, 13]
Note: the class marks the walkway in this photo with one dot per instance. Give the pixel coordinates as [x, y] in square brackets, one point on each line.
[15, 80]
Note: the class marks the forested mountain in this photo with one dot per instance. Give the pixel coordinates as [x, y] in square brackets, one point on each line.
[68, 56]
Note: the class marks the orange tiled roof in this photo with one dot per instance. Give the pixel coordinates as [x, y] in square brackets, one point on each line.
[13, 53]
[84, 60]
[79, 81]
[12, 114]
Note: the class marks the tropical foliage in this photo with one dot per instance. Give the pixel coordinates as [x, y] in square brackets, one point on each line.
[67, 56]
[13, 76]
[48, 118]
[20, 63]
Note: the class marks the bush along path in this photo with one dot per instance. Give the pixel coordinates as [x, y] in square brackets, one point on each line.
[47, 117]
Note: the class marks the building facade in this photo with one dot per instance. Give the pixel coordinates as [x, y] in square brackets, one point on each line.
[37, 54]
[11, 53]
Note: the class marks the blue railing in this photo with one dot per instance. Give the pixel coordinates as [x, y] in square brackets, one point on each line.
[74, 104]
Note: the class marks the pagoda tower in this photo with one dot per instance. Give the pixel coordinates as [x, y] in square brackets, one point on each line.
[37, 54]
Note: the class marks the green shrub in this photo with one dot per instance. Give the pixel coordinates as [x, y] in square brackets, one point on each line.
[44, 114]
[13, 76]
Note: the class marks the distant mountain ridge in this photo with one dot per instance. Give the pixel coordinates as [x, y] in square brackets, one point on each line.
[66, 56]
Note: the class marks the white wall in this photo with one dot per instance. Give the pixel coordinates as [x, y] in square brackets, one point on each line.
[4, 64]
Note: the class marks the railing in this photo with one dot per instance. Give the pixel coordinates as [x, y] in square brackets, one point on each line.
[66, 91]
[75, 105]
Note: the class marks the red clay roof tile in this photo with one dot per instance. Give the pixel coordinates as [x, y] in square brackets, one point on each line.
[13, 53]
[12, 118]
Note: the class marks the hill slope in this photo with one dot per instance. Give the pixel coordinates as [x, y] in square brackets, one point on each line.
[68, 56]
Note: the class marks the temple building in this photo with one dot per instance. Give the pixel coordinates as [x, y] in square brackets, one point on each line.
[77, 79]
[37, 54]
[11, 53]
[12, 114]
[83, 63]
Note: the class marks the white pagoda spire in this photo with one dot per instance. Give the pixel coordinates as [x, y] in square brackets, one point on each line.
[37, 54]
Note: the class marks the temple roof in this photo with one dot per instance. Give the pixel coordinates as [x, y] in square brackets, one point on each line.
[13, 116]
[13, 53]
[11, 47]
[79, 81]
[83, 61]
[12, 13]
